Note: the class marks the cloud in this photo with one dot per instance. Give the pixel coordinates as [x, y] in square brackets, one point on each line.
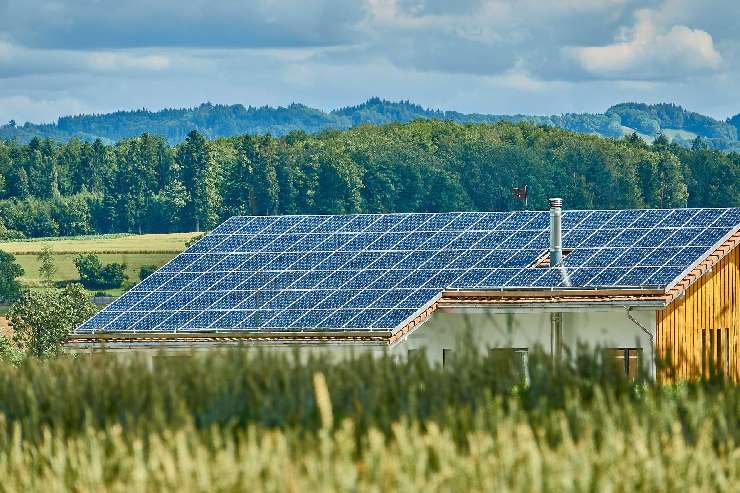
[498, 56]
[110, 24]
[645, 53]
[23, 108]
[18, 61]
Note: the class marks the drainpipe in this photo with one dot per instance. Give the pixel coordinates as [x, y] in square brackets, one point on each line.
[628, 309]
[556, 258]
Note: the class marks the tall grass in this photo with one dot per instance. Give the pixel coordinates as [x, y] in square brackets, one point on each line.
[241, 420]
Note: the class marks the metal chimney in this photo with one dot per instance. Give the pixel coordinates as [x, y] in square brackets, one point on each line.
[556, 237]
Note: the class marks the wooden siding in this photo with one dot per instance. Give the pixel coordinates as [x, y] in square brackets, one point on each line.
[700, 329]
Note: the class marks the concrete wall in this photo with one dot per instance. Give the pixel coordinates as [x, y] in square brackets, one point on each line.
[530, 327]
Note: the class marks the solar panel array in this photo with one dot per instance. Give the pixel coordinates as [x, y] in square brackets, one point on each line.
[374, 272]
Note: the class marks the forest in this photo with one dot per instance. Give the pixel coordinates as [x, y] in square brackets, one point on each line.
[219, 120]
[143, 184]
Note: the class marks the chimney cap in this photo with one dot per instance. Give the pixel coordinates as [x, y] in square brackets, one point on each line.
[555, 202]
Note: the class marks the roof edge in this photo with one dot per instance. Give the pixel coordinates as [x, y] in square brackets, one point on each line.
[161, 337]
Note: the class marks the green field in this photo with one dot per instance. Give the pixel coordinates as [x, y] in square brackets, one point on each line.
[132, 250]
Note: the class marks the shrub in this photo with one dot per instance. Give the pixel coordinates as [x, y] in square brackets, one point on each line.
[95, 275]
[192, 241]
[146, 271]
[9, 352]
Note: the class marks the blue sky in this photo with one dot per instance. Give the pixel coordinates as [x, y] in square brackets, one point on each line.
[500, 56]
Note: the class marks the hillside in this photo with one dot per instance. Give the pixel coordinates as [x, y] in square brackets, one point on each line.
[215, 120]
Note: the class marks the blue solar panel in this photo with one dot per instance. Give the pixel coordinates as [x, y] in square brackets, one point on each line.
[574, 238]
[730, 219]
[358, 223]
[203, 320]
[623, 219]
[376, 271]
[311, 319]
[608, 277]
[395, 317]
[525, 277]
[709, 237]
[231, 225]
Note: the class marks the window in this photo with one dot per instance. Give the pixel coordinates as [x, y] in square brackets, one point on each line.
[715, 351]
[447, 356]
[515, 360]
[627, 360]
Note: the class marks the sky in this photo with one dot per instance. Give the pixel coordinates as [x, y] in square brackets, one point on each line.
[499, 56]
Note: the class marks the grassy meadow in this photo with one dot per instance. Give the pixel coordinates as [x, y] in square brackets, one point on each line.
[251, 421]
[132, 250]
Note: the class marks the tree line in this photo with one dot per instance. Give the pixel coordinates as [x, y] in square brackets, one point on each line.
[143, 184]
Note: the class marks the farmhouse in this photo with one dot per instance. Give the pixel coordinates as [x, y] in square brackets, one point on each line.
[637, 282]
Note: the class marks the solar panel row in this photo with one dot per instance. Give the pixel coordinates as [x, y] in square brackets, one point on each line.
[376, 271]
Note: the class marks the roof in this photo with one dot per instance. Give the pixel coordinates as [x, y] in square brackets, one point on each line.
[375, 274]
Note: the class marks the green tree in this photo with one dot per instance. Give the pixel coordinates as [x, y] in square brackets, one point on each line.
[338, 182]
[42, 320]
[10, 271]
[199, 178]
[95, 275]
[47, 267]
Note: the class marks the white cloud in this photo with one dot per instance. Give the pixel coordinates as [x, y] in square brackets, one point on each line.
[645, 52]
[24, 108]
[496, 56]
[111, 61]
[19, 61]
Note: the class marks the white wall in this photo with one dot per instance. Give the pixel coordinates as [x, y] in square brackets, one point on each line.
[530, 327]
[488, 327]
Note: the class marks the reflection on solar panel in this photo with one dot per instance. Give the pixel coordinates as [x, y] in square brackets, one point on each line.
[374, 272]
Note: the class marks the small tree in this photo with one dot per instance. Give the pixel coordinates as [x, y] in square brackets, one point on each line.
[146, 271]
[47, 268]
[42, 320]
[10, 271]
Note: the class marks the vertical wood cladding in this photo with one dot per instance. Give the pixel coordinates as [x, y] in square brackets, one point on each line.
[700, 331]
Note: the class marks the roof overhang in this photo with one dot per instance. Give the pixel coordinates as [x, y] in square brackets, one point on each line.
[142, 340]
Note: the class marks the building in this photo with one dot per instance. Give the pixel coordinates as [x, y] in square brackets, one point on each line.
[638, 282]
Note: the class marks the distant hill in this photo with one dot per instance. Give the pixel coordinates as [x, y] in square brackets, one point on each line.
[216, 120]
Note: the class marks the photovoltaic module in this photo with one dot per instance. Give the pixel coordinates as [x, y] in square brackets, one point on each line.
[376, 271]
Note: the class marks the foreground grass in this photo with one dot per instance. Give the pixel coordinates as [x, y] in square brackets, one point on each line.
[238, 420]
[133, 250]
